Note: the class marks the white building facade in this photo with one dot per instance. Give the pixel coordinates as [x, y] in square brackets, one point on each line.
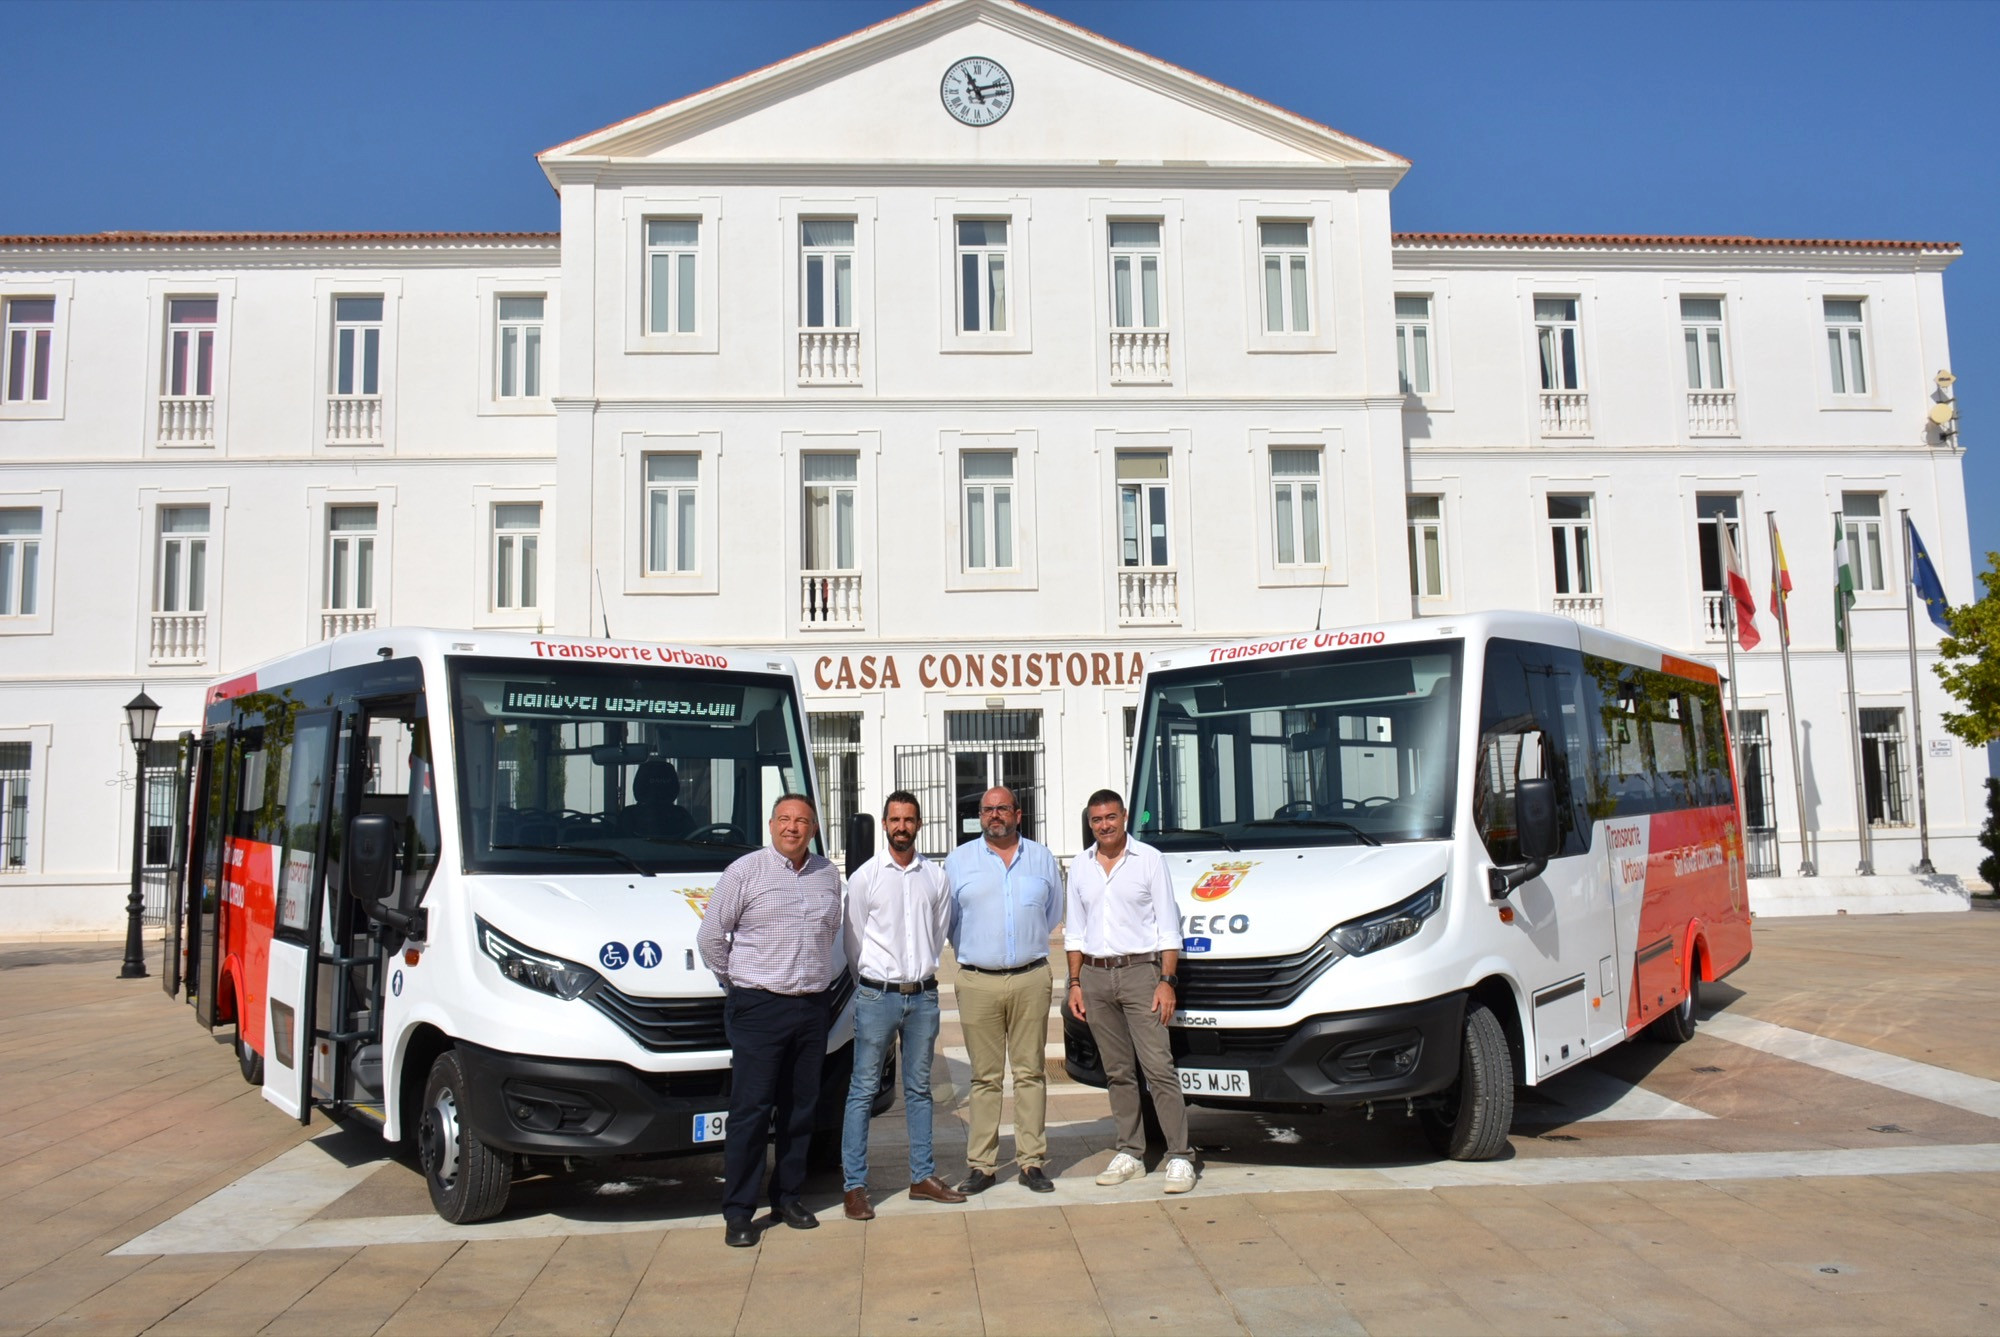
[968, 359]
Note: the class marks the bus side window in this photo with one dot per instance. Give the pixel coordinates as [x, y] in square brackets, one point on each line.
[1523, 735]
[1624, 776]
[399, 783]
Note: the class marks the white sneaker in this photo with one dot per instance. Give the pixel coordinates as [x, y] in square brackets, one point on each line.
[1180, 1174]
[1122, 1168]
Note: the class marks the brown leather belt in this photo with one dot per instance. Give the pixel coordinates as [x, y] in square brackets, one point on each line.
[1120, 962]
[1005, 970]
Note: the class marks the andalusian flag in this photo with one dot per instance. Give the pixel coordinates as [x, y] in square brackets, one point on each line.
[1781, 586]
[1843, 584]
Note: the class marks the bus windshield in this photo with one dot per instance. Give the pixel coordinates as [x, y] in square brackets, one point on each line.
[1350, 747]
[597, 768]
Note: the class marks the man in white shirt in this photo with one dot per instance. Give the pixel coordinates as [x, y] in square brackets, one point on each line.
[1123, 936]
[899, 914]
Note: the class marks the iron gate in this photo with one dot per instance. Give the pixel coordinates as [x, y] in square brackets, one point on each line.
[982, 749]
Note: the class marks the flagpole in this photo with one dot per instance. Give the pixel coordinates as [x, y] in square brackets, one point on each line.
[1916, 701]
[1843, 626]
[1806, 866]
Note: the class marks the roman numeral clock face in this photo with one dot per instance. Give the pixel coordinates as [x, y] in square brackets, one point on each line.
[977, 91]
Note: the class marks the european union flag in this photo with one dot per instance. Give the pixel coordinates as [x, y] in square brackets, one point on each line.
[1924, 576]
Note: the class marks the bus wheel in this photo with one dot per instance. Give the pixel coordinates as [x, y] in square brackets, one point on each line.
[1471, 1121]
[468, 1180]
[1677, 1026]
[248, 1061]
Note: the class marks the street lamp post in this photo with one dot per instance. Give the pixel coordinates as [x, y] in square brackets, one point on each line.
[141, 714]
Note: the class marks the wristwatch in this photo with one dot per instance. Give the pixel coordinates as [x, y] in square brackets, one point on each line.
[1075, 983]
[1172, 982]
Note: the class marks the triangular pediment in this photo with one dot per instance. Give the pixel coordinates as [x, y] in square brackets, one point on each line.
[875, 96]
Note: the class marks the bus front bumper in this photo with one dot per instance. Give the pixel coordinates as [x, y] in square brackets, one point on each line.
[1343, 1058]
[564, 1107]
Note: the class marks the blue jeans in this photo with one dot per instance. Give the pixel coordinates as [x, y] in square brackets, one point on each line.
[879, 1018]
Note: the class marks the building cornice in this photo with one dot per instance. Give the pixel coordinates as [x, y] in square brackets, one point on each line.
[266, 250]
[606, 173]
[1150, 406]
[1577, 251]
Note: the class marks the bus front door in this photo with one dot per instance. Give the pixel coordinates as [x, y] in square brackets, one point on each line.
[300, 866]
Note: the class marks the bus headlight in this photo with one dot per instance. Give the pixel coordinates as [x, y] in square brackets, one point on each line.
[1371, 933]
[534, 970]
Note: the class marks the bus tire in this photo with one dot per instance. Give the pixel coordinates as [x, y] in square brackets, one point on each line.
[1677, 1027]
[248, 1061]
[1472, 1121]
[468, 1180]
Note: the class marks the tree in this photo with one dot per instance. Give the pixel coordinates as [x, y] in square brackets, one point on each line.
[1989, 867]
[1971, 668]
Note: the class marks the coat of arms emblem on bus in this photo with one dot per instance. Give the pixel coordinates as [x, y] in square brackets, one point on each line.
[1221, 879]
[697, 899]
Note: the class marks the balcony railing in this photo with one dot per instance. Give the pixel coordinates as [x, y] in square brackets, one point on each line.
[1714, 617]
[1148, 595]
[354, 420]
[179, 638]
[829, 357]
[187, 422]
[339, 621]
[1140, 357]
[829, 599]
[1711, 413]
[1565, 413]
[1584, 608]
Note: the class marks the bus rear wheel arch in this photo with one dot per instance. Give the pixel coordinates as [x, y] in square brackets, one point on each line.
[1676, 1026]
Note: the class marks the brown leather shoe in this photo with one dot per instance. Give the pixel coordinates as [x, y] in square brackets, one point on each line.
[935, 1190]
[858, 1207]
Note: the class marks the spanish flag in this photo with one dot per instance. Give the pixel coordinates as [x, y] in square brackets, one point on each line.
[1781, 586]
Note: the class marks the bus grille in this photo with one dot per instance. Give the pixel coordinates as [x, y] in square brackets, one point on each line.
[1253, 981]
[678, 1025]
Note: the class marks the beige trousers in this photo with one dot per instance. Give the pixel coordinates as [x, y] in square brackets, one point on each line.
[1005, 1019]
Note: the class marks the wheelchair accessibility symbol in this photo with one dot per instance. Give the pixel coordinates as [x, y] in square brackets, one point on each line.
[613, 955]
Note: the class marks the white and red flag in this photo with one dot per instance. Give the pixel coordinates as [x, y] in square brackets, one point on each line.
[1738, 582]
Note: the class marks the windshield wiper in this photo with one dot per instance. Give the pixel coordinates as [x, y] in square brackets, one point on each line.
[598, 851]
[1209, 832]
[1330, 823]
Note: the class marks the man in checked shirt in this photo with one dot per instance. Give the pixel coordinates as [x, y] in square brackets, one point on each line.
[772, 937]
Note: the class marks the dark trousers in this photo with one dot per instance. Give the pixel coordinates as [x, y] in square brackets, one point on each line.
[779, 1043]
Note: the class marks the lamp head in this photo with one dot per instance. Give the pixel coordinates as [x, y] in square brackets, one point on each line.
[142, 713]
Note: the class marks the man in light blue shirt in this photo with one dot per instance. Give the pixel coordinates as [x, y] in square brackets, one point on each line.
[1009, 899]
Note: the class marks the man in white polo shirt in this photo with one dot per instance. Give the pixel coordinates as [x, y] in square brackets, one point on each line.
[1123, 936]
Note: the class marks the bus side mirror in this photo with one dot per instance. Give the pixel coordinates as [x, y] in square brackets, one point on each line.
[1535, 817]
[371, 857]
[860, 840]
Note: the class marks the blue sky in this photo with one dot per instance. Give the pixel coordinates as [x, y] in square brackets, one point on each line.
[1773, 119]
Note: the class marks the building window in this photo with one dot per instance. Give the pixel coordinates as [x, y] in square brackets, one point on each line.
[1882, 777]
[16, 763]
[672, 245]
[1135, 277]
[1413, 342]
[1285, 254]
[1142, 508]
[190, 369]
[1556, 337]
[517, 539]
[989, 509]
[1701, 340]
[520, 347]
[672, 493]
[1295, 506]
[836, 749]
[357, 345]
[182, 585]
[1861, 516]
[829, 511]
[30, 348]
[350, 557]
[1426, 519]
[982, 275]
[1845, 328]
[1569, 531]
[827, 247]
[20, 560]
[1712, 512]
[1758, 784]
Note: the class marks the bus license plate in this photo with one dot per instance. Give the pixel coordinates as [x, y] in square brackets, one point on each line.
[1215, 1082]
[711, 1127]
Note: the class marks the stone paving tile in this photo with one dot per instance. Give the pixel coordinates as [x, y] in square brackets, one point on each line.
[1413, 1308]
[136, 1302]
[917, 1275]
[48, 1291]
[254, 1294]
[1532, 1303]
[1644, 1299]
[474, 1290]
[586, 1286]
[1439, 1238]
[362, 1294]
[694, 1287]
[1292, 1311]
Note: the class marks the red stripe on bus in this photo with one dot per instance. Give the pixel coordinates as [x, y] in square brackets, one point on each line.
[1688, 668]
[232, 688]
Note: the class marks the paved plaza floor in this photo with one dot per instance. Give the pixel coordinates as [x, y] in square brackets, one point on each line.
[1823, 1157]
